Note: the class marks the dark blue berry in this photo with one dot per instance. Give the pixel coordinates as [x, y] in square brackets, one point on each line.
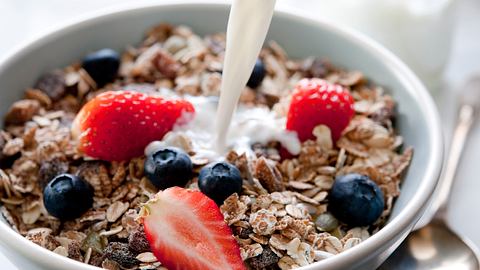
[168, 167]
[67, 196]
[219, 180]
[258, 74]
[356, 200]
[102, 65]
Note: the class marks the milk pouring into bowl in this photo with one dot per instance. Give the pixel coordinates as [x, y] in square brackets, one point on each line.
[234, 129]
[247, 28]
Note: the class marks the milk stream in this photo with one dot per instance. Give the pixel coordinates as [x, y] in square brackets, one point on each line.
[247, 28]
[235, 129]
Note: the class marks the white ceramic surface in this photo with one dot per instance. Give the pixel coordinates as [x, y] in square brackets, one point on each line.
[418, 120]
[418, 31]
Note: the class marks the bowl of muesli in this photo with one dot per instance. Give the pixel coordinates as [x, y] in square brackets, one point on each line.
[106, 159]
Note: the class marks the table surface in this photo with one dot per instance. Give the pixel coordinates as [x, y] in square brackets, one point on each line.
[27, 17]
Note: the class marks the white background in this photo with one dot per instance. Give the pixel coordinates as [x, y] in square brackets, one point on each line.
[22, 19]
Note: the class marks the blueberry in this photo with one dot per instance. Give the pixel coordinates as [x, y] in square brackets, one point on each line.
[356, 200]
[257, 75]
[219, 180]
[168, 167]
[67, 196]
[102, 65]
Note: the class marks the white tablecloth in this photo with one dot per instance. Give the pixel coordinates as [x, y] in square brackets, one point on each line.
[19, 20]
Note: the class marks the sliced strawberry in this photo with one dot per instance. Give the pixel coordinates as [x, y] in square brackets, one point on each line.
[318, 102]
[117, 126]
[186, 231]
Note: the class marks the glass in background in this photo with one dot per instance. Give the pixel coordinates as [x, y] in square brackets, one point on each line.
[418, 31]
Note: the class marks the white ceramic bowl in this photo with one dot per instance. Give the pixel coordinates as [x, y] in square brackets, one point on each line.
[301, 36]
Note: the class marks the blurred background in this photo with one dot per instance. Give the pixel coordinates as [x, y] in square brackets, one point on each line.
[438, 39]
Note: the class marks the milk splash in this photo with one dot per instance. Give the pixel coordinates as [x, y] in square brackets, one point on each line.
[248, 126]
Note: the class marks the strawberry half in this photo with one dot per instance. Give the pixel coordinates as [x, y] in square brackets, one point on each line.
[118, 125]
[186, 231]
[318, 102]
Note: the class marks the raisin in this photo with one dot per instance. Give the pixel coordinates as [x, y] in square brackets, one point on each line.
[243, 232]
[267, 260]
[52, 84]
[116, 238]
[120, 253]
[7, 161]
[137, 241]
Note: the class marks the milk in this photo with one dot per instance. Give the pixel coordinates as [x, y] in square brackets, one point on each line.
[233, 129]
[247, 127]
[247, 28]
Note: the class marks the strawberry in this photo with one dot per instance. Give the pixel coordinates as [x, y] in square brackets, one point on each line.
[186, 231]
[284, 153]
[117, 126]
[318, 102]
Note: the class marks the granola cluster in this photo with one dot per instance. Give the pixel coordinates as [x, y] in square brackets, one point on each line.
[280, 220]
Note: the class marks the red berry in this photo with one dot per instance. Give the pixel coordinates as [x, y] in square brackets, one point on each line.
[186, 230]
[117, 126]
[318, 102]
[284, 153]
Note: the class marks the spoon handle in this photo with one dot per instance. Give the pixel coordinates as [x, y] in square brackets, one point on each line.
[466, 116]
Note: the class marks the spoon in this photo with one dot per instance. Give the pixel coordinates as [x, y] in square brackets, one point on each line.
[436, 246]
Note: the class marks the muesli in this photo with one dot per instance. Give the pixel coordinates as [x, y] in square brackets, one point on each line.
[280, 219]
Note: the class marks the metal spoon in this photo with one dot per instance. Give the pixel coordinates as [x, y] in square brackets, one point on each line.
[436, 246]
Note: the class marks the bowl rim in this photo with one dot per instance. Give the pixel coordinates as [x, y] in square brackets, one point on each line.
[406, 217]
